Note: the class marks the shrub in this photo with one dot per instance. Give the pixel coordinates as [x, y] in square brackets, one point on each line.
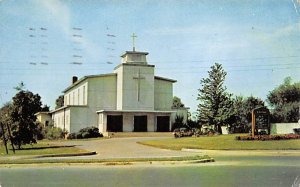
[72, 135]
[88, 132]
[40, 131]
[178, 123]
[54, 133]
[268, 137]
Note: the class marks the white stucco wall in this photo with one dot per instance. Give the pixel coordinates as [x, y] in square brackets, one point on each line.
[163, 94]
[80, 118]
[83, 100]
[150, 122]
[61, 119]
[102, 93]
[43, 117]
[284, 128]
[135, 58]
[101, 125]
[180, 112]
[119, 72]
[128, 122]
[77, 95]
[128, 87]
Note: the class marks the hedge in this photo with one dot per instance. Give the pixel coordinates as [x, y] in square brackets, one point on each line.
[269, 137]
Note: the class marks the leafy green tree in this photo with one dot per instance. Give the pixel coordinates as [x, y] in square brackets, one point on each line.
[23, 126]
[177, 102]
[59, 102]
[243, 113]
[45, 108]
[285, 101]
[5, 112]
[215, 103]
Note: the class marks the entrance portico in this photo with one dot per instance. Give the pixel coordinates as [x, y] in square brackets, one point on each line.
[134, 121]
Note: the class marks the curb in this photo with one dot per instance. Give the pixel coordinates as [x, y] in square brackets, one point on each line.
[66, 155]
[205, 160]
[192, 150]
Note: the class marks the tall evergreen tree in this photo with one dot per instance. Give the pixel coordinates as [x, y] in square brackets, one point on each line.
[215, 107]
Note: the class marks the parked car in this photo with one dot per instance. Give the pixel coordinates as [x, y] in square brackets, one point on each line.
[182, 132]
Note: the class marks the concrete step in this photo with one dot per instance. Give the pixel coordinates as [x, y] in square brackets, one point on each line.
[140, 134]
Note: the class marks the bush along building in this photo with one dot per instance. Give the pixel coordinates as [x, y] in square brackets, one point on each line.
[131, 99]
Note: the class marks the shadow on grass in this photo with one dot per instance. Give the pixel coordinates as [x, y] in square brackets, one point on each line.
[47, 147]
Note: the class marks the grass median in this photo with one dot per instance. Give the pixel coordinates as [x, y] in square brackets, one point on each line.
[196, 158]
[42, 148]
[222, 142]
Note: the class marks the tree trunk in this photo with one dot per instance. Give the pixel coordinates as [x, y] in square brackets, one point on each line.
[219, 129]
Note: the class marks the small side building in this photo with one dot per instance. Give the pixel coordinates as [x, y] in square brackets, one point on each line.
[44, 118]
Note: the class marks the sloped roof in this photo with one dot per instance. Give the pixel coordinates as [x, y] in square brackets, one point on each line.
[165, 79]
[87, 77]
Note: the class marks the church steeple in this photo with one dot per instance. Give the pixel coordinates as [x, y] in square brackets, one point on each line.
[134, 57]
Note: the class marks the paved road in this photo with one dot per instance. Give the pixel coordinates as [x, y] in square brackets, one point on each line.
[125, 148]
[261, 171]
[246, 168]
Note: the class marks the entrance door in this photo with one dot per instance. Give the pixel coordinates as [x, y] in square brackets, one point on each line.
[162, 123]
[114, 123]
[140, 124]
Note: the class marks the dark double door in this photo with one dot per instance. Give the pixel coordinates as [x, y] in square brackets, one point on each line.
[140, 124]
[162, 123]
[115, 123]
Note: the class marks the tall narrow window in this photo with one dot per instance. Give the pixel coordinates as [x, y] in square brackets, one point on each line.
[73, 98]
[69, 99]
[66, 100]
[83, 95]
[78, 96]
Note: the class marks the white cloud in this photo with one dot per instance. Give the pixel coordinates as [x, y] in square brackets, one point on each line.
[59, 11]
[62, 16]
[287, 31]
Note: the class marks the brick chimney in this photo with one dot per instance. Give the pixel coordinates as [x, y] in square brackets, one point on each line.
[74, 79]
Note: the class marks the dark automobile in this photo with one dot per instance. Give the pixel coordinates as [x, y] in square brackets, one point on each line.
[182, 132]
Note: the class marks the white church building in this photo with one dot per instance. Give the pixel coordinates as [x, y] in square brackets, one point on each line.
[131, 99]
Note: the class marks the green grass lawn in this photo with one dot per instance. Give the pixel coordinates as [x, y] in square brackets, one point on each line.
[41, 148]
[222, 142]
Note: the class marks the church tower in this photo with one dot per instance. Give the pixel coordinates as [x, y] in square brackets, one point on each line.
[135, 81]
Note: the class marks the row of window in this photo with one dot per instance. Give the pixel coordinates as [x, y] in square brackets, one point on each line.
[59, 121]
[75, 97]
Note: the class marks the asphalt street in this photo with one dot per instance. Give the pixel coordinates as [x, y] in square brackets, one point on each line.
[232, 168]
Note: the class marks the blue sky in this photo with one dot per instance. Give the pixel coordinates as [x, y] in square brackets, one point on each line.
[257, 41]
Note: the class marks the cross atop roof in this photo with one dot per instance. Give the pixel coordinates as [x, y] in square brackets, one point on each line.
[133, 38]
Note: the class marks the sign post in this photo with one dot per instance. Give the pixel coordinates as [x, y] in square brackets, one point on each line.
[260, 121]
[253, 124]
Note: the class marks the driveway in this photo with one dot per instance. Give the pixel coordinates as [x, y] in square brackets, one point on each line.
[125, 148]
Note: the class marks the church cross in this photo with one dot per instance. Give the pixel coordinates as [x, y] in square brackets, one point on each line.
[133, 38]
[138, 77]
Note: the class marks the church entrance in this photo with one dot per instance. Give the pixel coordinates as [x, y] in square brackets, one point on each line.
[114, 123]
[162, 123]
[140, 124]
